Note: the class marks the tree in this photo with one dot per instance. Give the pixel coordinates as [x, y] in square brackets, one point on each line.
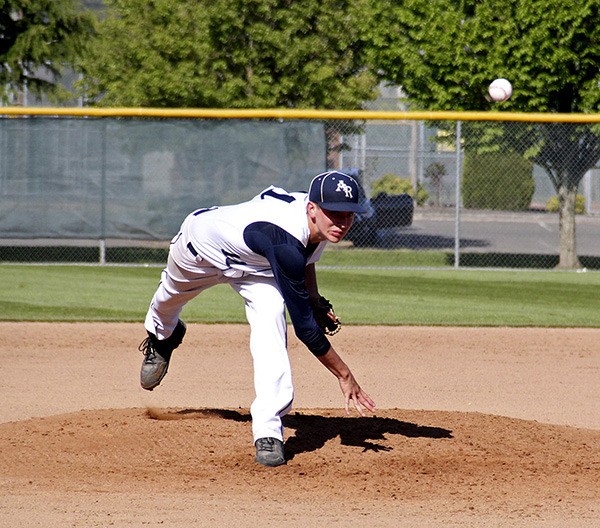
[444, 53]
[38, 39]
[231, 54]
[435, 172]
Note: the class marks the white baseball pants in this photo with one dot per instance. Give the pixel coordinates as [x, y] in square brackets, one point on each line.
[265, 311]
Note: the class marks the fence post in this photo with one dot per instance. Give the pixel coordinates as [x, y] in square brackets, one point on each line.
[587, 191]
[103, 194]
[458, 195]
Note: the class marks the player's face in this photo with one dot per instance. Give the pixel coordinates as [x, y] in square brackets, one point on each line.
[330, 225]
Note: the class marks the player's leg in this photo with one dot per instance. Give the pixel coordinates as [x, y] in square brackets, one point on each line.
[165, 330]
[265, 311]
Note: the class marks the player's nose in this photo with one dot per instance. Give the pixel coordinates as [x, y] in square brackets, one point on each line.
[345, 219]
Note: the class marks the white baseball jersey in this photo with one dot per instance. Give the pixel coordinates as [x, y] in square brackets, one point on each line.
[267, 236]
[228, 236]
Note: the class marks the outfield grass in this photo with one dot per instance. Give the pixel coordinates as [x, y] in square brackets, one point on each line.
[361, 296]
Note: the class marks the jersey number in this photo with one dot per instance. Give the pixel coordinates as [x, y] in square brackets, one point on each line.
[204, 210]
[232, 258]
[285, 197]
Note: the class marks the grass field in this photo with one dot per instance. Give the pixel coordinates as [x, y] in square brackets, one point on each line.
[360, 296]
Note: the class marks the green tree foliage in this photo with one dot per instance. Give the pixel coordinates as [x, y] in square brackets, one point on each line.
[445, 53]
[38, 39]
[231, 54]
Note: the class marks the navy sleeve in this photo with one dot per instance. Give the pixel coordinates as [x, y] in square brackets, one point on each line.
[287, 257]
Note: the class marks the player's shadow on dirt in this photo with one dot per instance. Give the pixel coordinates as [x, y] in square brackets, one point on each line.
[312, 432]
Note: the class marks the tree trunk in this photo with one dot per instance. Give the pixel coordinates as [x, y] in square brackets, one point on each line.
[437, 184]
[566, 221]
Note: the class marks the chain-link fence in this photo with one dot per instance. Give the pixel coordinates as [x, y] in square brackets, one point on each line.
[440, 191]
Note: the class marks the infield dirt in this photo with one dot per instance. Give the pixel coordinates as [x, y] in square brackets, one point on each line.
[476, 427]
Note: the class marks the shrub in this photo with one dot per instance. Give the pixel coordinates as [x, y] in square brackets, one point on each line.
[552, 204]
[392, 184]
[500, 181]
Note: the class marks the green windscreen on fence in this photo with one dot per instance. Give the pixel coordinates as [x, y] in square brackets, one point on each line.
[88, 178]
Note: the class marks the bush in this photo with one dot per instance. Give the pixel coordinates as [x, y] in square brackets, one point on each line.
[552, 204]
[392, 184]
[500, 181]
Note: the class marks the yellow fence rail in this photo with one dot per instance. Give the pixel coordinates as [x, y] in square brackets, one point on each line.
[274, 113]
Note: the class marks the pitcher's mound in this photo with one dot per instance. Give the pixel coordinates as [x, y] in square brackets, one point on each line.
[432, 463]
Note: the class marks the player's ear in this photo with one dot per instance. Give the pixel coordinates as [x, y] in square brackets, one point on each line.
[311, 209]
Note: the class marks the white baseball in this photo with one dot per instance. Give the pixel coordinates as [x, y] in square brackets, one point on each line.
[500, 90]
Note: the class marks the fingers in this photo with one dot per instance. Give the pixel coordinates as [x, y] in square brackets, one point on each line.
[360, 399]
[367, 402]
[361, 402]
[359, 408]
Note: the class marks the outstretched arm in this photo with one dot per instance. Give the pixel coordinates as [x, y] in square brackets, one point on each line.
[350, 387]
[334, 363]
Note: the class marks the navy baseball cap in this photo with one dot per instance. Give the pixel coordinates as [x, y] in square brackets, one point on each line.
[335, 191]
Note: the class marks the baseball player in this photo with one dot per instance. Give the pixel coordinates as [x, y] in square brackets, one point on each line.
[266, 250]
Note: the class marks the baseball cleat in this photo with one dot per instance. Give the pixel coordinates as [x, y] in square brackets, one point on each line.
[269, 452]
[157, 355]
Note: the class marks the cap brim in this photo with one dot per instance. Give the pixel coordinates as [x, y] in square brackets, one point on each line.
[343, 206]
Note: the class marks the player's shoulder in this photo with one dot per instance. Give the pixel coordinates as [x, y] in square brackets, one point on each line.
[278, 193]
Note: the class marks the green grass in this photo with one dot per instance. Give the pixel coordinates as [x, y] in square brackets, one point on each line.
[382, 258]
[360, 296]
[94, 293]
[473, 298]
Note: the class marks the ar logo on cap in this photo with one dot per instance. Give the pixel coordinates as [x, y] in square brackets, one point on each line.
[345, 188]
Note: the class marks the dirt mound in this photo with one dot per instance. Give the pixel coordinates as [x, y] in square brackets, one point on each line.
[432, 461]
